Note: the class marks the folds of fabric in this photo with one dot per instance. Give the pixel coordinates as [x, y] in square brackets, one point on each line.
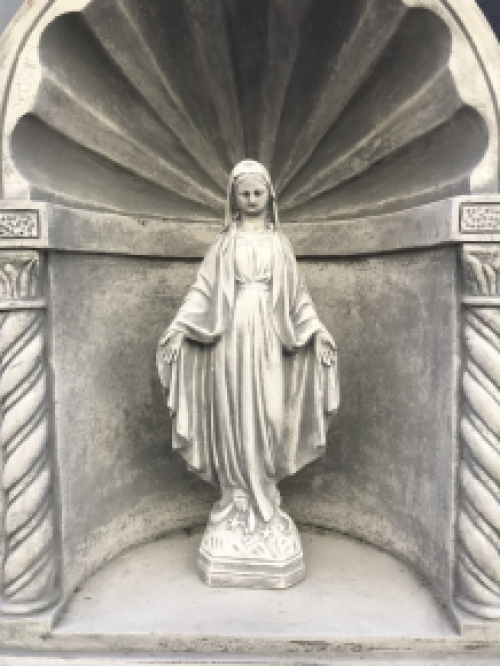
[249, 398]
[196, 391]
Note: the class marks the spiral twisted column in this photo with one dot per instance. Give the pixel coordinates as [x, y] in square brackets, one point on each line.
[478, 543]
[29, 580]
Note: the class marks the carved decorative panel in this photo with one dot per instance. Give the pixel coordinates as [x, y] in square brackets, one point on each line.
[480, 218]
[19, 224]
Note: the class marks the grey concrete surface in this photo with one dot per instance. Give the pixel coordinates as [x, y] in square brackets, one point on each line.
[356, 605]
[395, 321]
[350, 590]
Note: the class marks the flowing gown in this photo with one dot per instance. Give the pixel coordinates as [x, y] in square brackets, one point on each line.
[249, 398]
[248, 408]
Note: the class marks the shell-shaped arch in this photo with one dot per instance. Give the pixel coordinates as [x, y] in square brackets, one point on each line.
[143, 107]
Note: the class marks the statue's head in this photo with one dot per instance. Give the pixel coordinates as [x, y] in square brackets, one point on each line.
[251, 195]
[250, 190]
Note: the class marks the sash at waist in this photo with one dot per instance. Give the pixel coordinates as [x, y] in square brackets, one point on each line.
[260, 286]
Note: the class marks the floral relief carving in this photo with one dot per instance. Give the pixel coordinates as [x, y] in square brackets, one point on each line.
[20, 276]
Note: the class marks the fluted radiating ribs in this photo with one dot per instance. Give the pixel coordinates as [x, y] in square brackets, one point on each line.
[338, 99]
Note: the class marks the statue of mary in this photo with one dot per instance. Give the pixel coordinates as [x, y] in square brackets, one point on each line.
[251, 379]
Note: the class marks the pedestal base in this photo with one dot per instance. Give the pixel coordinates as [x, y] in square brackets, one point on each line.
[240, 552]
[218, 572]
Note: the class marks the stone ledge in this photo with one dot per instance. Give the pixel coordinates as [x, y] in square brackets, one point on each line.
[193, 659]
[90, 231]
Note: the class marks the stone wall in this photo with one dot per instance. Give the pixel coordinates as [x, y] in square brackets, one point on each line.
[388, 476]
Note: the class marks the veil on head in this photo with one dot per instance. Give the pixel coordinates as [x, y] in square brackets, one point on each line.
[241, 171]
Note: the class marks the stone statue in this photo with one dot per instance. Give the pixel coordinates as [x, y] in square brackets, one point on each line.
[251, 379]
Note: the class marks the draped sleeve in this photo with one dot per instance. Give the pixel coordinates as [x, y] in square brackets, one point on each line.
[207, 308]
[311, 395]
[295, 316]
[205, 311]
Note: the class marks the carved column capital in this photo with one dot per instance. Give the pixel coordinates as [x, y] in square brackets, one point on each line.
[481, 273]
[20, 279]
[29, 573]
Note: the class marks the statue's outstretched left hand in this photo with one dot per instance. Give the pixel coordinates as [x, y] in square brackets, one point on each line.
[170, 346]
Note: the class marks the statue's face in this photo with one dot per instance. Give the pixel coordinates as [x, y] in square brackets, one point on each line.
[251, 196]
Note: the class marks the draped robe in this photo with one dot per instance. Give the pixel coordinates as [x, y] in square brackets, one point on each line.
[250, 400]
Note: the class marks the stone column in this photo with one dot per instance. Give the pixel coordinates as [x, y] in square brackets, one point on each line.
[478, 543]
[30, 569]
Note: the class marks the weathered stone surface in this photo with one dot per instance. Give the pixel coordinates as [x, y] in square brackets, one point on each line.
[357, 604]
[351, 590]
[120, 482]
[388, 471]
